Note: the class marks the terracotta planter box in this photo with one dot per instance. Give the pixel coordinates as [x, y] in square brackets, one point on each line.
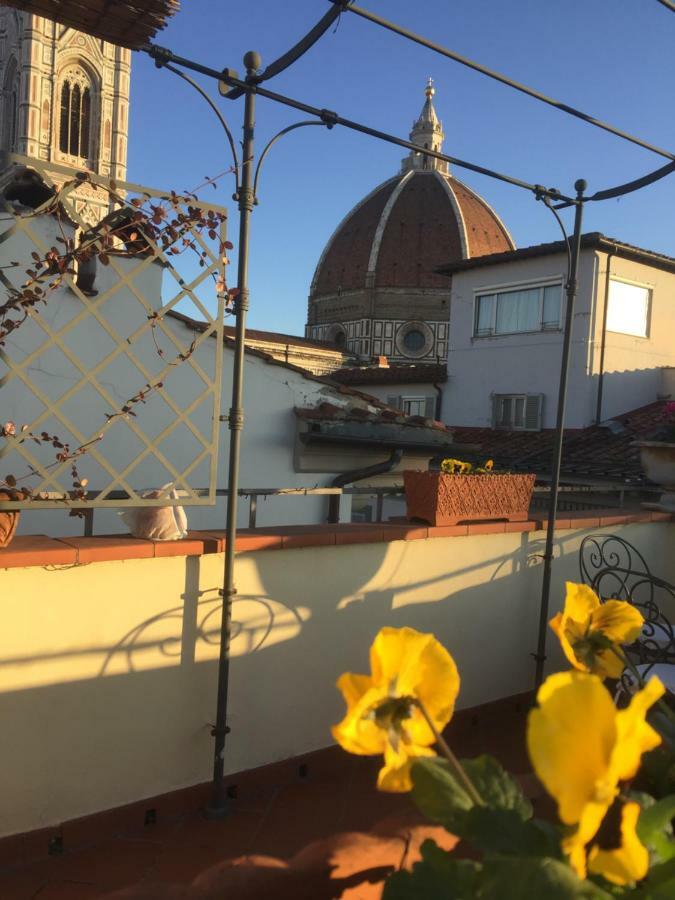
[441, 499]
[9, 519]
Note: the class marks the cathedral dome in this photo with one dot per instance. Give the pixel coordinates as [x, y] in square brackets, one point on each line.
[375, 290]
[403, 230]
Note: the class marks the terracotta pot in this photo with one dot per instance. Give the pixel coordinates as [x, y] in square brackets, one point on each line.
[441, 499]
[9, 519]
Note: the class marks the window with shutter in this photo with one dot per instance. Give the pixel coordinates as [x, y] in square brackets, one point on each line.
[517, 412]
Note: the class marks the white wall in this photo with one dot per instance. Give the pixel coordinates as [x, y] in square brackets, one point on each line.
[521, 363]
[530, 363]
[270, 394]
[633, 366]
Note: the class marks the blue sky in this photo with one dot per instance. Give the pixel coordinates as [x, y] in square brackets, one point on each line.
[612, 58]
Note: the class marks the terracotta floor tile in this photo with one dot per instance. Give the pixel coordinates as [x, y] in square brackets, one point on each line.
[22, 883]
[109, 864]
[70, 890]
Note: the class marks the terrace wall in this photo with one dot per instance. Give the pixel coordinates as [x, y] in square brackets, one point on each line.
[108, 663]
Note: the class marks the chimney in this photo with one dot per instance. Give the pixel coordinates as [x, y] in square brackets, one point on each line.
[382, 362]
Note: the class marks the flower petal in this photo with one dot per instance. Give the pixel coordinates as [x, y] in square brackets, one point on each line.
[562, 627]
[394, 776]
[575, 844]
[618, 620]
[570, 738]
[627, 863]
[580, 601]
[357, 732]
[412, 664]
[634, 735]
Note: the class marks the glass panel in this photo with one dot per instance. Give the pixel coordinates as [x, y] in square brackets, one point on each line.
[65, 117]
[484, 310]
[628, 308]
[551, 311]
[74, 147]
[519, 412]
[84, 123]
[518, 311]
[414, 406]
[504, 413]
[413, 340]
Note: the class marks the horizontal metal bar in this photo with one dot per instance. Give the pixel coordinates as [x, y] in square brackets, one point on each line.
[330, 118]
[504, 79]
[59, 501]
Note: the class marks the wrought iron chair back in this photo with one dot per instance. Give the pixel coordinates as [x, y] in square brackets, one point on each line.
[616, 570]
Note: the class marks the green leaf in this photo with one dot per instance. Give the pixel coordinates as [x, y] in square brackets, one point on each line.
[440, 796]
[439, 876]
[660, 883]
[502, 832]
[527, 879]
[655, 830]
[497, 788]
[503, 826]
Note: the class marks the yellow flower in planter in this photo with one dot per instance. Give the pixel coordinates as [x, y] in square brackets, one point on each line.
[588, 630]
[581, 749]
[407, 667]
[615, 850]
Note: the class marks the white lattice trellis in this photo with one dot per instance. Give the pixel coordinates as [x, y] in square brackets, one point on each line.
[71, 368]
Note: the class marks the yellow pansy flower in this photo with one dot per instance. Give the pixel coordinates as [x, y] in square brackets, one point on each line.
[489, 465]
[615, 851]
[407, 667]
[581, 749]
[588, 629]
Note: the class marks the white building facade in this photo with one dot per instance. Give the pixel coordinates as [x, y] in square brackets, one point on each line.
[507, 317]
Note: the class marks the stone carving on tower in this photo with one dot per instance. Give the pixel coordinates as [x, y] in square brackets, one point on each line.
[64, 98]
[375, 291]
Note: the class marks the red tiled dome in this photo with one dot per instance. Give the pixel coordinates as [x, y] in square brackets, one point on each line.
[403, 230]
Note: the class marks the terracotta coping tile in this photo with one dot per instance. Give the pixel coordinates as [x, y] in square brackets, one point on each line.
[192, 545]
[520, 527]
[364, 534]
[40, 550]
[405, 532]
[308, 539]
[110, 547]
[37, 550]
[253, 541]
[447, 530]
[487, 527]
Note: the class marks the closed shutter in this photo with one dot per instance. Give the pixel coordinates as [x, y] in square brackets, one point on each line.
[533, 409]
[394, 401]
[430, 407]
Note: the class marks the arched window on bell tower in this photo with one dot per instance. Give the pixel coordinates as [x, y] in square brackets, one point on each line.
[10, 108]
[75, 126]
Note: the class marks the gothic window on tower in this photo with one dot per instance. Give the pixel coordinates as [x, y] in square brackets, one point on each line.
[10, 108]
[75, 120]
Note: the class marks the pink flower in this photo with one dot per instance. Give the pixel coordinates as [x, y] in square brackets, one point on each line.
[670, 408]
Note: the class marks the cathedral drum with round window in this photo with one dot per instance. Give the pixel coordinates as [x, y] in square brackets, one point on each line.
[414, 340]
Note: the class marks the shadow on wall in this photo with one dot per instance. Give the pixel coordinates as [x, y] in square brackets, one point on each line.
[621, 391]
[142, 726]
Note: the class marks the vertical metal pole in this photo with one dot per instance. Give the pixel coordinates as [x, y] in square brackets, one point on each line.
[219, 805]
[540, 655]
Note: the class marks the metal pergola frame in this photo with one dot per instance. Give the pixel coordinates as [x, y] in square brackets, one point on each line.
[250, 87]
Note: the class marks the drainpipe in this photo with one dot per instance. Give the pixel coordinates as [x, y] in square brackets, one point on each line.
[603, 339]
[358, 475]
[439, 402]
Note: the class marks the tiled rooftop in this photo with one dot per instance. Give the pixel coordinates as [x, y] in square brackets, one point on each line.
[603, 451]
[279, 811]
[392, 374]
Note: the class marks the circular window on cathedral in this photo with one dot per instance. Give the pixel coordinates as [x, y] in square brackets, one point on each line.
[414, 340]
